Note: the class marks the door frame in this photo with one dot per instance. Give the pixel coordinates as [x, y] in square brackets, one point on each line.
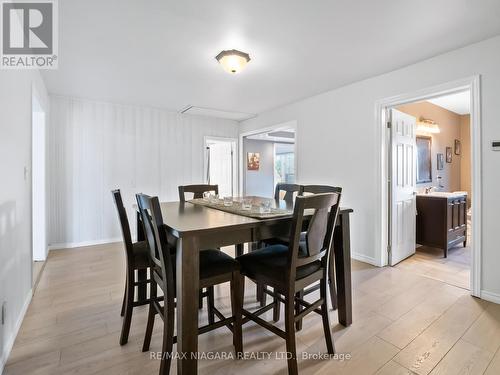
[383, 187]
[284, 125]
[207, 138]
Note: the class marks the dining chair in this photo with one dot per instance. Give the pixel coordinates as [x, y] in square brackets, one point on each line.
[289, 269]
[216, 267]
[137, 259]
[318, 189]
[286, 192]
[196, 190]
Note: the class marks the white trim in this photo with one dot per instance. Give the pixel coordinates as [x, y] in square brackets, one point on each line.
[284, 125]
[492, 297]
[10, 341]
[472, 84]
[70, 245]
[365, 259]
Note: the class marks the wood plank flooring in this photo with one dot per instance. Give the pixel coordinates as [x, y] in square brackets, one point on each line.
[404, 323]
[429, 262]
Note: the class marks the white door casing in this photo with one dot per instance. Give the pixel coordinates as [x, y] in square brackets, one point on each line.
[403, 192]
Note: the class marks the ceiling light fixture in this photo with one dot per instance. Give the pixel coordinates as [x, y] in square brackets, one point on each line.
[233, 61]
[427, 126]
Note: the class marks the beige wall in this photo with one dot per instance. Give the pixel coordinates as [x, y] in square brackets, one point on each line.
[465, 163]
[450, 126]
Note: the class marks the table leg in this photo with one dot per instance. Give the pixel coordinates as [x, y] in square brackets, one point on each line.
[239, 249]
[187, 304]
[342, 248]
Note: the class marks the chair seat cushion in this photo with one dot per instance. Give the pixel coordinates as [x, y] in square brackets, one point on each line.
[141, 254]
[216, 262]
[271, 262]
[283, 240]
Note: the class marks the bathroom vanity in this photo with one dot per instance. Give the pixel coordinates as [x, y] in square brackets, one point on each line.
[442, 220]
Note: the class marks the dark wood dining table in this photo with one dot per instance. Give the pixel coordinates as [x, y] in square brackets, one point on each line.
[197, 227]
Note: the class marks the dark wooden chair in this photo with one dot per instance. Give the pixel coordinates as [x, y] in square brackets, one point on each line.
[290, 269]
[286, 192]
[196, 190]
[137, 259]
[215, 268]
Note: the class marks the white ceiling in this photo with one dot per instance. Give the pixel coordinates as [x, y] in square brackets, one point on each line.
[161, 53]
[458, 103]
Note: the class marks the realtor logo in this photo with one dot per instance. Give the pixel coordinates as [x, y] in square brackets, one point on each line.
[29, 34]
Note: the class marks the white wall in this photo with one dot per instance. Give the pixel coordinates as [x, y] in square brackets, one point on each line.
[15, 197]
[259, 183]
[97, 146]
[337, 142]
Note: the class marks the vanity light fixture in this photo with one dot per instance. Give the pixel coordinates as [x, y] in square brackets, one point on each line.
[233, 61]
[427, 126]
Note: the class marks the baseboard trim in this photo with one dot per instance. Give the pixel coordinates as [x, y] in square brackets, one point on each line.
[492, 297]
[70, 245]
[365, 259]
[10, 342]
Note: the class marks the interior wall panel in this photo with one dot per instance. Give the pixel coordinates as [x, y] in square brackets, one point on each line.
[95, 147]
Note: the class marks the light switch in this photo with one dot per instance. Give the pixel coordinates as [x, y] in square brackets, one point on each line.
[495, 145]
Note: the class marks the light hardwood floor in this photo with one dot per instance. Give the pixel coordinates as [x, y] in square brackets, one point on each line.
[429, 262]
[404, 323]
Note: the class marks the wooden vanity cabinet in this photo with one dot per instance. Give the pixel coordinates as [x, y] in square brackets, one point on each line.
[442, 221]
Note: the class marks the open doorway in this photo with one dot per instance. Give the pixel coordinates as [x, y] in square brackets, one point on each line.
[269, 158]
[38, 180]
[221, 165]
[431, 172]
[447, 169]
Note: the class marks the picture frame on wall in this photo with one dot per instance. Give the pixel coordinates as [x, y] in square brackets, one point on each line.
[458, 147]
[253, 161]
[449, 155]
[440, 162]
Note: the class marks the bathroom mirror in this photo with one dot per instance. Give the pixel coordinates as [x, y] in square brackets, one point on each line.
[424, 159]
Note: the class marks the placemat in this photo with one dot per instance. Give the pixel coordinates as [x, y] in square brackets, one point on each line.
[254, 212]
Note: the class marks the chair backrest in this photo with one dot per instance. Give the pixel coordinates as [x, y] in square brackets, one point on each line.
[197, 190]
[318, 189]
[319, 233]
[289, 191]
[156, 236]
[124, 224]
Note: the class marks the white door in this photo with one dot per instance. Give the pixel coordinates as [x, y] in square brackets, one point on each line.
[403, 192]
[221, 165]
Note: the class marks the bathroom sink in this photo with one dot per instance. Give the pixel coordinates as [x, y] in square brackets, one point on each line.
[445, 194]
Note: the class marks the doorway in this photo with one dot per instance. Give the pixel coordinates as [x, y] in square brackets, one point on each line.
[38, 181]
[431, 183]
[220, 165]
[268, 157]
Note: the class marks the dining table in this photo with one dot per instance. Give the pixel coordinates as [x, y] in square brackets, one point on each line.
[197, 227]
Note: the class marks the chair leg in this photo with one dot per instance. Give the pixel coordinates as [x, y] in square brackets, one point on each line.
[149, 328]
[276, 308]
[261, 296]
[331, 284]
[210, 305]
[237, 290]
[122, 312]
[326, 320]
[129, 292]
[168, 336]
[290, 334]
[298, 309]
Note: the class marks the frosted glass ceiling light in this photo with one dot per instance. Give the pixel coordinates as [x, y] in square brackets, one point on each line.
[233, 61]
